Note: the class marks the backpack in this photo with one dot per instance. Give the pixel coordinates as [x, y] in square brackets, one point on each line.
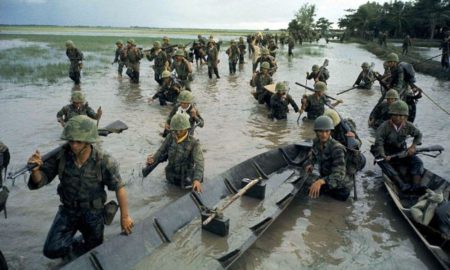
[408, 70]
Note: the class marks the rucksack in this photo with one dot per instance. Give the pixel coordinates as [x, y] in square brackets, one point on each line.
[408, 70]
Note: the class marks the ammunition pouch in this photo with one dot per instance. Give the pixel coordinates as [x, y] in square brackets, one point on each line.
[94, 204]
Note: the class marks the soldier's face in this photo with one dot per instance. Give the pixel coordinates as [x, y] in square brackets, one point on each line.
[323, 135]
[178, 58]
[179, 133]
[389, 101]
[77, 105]
[77, 147]
[398, 119]
[184, 105]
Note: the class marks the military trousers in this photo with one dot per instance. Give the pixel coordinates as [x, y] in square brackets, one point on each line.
[74, 72]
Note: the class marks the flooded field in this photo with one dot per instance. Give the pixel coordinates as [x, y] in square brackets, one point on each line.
[311, 234]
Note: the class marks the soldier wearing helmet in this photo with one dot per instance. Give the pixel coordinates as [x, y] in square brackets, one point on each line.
[169, 91]
[279, 102]
[167, 47]
[212, 53]
[187, 106]
[391, 139]
[291, 44]
[161, 60]
[406, 44]
[233, 56]
[120, 57]
[78, 106]
[318, 74]
[242, 47]
[84, 171]
[183, 153]
[365, 78]
[329, 154]
[314, 104]
[76, 61]
[134, 56]
[380, 113]
[183, 69]
[259, 80]
[266, 57]
[272, 47]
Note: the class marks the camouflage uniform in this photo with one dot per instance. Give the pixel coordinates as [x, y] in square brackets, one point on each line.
[279, 106]
[159, 65]
[291, 45]
[134, 56]
[82, 195]
[273, 49]
[324, 76]
[76, 57]
[332, 168]
[380, 114]
[121, 59]
[183, 74]
[266, 58]
[259, 82]
[399, 82]
[70, 111]
[315, 107]
[193, 120]
[242, 47]
[365, 80]
[213, 60]
[169, 92]
[185, 160]
[233, 57]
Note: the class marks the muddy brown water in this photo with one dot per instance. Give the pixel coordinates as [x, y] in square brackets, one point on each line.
[311, 234]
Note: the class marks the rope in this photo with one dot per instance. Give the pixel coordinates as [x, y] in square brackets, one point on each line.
[435, 103]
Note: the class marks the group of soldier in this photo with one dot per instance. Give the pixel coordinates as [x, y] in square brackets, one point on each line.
[84, 170]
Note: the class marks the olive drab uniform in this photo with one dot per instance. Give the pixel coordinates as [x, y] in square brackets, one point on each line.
[332, 168]
[70, 111]
[242, 47]
[169, 92]
[121, 59]
[134, 56]
[279, 106]
[75, 57]
[161, 59]
[82, 195]
[315, 107]
[213, 60]
[185, 160]
[291, 45]
[365, 79]
[380, 114]
[266, 58]
[183, 74]
[259, 82]
[193, 120]
[324, 76]
[233, 58]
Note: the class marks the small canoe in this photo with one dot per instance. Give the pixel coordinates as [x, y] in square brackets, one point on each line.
[173, 237]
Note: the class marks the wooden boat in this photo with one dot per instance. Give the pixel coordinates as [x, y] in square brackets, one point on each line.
[173, 237]
[437, 243]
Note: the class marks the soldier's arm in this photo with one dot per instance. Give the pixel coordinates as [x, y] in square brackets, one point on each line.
[61, 114]
[358, 80]
[189, 66]
[163, 149]
[91, 113]
[198, 118]
[172, 113]
[338, 171]
[199, 162]
[416, 134]
[44, 173]
[380, 137]
[292, 102]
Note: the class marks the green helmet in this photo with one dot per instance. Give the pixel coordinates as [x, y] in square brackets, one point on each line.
[80, 128]
[185, 96]
[70, 44]
[241, 39]
[392, 57]
[265, 65]
[323, 123]
[320, 87]
[365, 65]
[165, 74]
[315, 68]
[165, 38]
[399, 107]
[265, 51]
[157, 45]
[280, 87]
[119, 42]
[78, 96]
[392, 93]
[180, 121]
[179, 53]
[233, 41]
[333, 116]
[131, 41]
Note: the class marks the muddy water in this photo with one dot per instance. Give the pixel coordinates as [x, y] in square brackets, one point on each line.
[318, 234]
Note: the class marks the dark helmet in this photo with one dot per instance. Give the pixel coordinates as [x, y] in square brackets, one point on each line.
[399, 107]
[323, 123]
[392, 93]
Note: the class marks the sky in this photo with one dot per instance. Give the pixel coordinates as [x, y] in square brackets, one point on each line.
[211, 14]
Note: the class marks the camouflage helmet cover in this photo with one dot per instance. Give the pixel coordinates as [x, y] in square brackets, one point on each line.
[78, 96]
[399, 108]
[392, 93]
[265, 65]
[185, 96]
[70, 44]
[180, 121]
[80, 128]
[315, 68]
[131, 41]
[156, 44]
[179, 53]
[119, 42]
[320, 87]
[323, 123]
[392, 57]
[365, 65]
[280, 87]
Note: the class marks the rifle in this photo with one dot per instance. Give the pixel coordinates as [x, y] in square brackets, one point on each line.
[403, 154]
[115, 127]
[325, 64]
[149, 168]
[310, 89]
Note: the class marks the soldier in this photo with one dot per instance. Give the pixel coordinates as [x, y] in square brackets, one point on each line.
[76, 61]
[84, 171]
[329, 154]
[380, 113]
[272, 48]
[233, 56]
[167, 48]
[391, 139]
[279, 102]
[291, 44]
[266, 57]
[4, 162]
[242, 47]
[316, 75]
[134, 56]
[184, 154]
[161, 60]
[183, 68]
[213, 59]
[259, 80]
[187, 106]
[365, 78]
[406, 44]
[314, 104]
[445, 47]
[120, 57]
[276, 38]
[78, 106]
[170, 89]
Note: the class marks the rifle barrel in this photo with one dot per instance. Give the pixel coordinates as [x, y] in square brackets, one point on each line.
[310, 89]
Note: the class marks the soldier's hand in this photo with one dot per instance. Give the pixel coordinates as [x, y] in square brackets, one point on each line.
[387, 158]
[150, 160]
[197, 186]
[61, 122]
[307, 74]
[167, 126]
[150, 100]
[309, 168]
[127, 224]
[314, 189]
[350, 134]
[36, 159]
[370, 122]
[194, 113]
[99, 112]
[411, 150]
[340, 101]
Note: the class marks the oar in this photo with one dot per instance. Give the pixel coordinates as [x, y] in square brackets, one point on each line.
[426, 60]
[434, 102]
[342, 92]
[232, 199]
[310, 89]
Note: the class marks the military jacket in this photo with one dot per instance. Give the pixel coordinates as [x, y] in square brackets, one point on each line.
[181, 68]
[170, 90]
[242, 47]
[192, 120]
[74, 55]
[83, 184]
[397, 80]
[134, 55]
[120, 55]
[70, 111]
[268, 58]
[233, 53]
[331, 161]
[315, 107]
[185, 159]
[213, 56]
[388, 141]
[324, 76]
[380, 114]
[260, 81]
[365, 79]
[160, 60]
[279, 105]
